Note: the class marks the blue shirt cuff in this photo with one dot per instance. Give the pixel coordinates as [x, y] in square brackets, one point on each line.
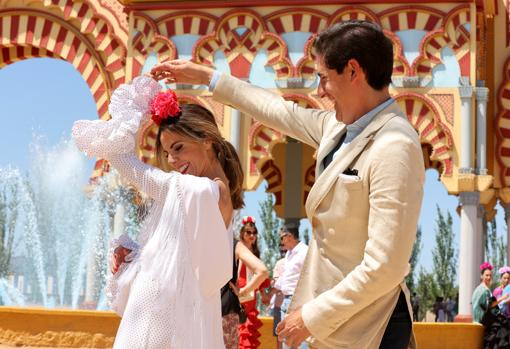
[214, 80]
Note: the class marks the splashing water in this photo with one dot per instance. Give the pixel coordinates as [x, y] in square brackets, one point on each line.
[62, 230]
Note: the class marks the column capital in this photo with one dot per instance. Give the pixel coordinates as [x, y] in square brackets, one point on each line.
[469, 198]
[482, 94]
[466, 91]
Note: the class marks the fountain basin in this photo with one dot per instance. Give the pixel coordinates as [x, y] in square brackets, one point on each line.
[41, 327]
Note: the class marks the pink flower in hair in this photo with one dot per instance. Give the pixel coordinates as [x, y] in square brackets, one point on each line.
[165, 105]
[486, 265]
[505, 269]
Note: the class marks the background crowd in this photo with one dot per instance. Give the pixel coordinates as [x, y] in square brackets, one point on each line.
[252, 285]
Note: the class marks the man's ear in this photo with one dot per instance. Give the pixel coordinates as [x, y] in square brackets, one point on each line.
[355, 68]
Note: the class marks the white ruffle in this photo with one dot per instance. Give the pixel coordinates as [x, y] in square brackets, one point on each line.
[129, 105]
[119, 284]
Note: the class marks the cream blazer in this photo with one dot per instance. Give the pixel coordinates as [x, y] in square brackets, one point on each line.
[363, 226]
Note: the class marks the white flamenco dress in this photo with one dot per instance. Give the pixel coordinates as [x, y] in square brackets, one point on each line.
[169, 293]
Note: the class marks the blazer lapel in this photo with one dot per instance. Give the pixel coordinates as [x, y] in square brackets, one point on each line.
[342, 160]
[327, 146]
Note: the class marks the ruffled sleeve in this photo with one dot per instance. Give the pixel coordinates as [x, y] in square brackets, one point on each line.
[118, 285]
[115, 139]
[129, 105]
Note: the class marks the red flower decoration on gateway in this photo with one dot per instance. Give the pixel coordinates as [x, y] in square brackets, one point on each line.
[165, 105]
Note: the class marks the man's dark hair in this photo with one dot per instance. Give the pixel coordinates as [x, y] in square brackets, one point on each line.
[360, 40]
[294, 231]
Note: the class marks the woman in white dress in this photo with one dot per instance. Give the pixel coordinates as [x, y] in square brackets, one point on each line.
[166, 286]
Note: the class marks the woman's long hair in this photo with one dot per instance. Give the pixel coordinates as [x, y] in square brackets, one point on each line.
[198, 123]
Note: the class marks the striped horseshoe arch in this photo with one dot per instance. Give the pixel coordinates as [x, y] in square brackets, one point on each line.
[425, 118]
[451, 34]
[26, 34]
[503, 126]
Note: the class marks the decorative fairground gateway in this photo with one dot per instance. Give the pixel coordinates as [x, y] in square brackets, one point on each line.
[451, 77]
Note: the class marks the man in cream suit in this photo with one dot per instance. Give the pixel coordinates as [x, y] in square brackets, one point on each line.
[365, 202]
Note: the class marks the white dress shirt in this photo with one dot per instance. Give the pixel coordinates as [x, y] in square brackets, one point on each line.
[294, 260]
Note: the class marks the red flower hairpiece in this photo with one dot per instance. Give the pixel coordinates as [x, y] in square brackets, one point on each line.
[248, 219]
[486, 265]
[165, 105]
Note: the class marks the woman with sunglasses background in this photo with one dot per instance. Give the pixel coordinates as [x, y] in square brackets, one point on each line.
[248, 331]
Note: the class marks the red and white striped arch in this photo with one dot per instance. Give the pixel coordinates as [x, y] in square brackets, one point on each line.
[411, 18]
[299, 20]
[189, 22]
[148, 40]
[240, 49]
[503, 126]
[99, 30]
[452, 34]
[73, 31]
[296, 20]
[262, 138]
[351, 13]
[425, 118]
[274, 179]
[23, 32]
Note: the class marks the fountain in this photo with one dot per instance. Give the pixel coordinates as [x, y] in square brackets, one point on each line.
[61, 231]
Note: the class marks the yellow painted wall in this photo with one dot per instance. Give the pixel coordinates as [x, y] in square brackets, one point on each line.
[96, 329]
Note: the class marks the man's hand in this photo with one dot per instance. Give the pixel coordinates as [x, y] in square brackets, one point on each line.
[181, 71]
[292, 330]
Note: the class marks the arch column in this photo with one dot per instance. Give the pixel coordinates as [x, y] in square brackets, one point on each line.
[470, 244]
[482, 95]
[466, 158]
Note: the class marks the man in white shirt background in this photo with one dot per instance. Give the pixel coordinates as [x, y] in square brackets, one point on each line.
[294, 259]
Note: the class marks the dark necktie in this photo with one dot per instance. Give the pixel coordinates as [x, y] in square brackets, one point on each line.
[327, 160]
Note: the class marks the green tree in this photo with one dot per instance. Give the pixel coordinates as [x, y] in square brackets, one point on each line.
[495, 247]
[413, 261]
[444, 256]
[426, 290]
[270, 239]
[8, 217]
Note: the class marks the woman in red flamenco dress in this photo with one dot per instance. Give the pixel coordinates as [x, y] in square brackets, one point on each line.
[248, 331]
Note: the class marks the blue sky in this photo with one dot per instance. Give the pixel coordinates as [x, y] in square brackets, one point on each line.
[45, 96]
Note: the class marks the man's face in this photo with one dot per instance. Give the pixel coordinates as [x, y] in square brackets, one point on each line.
[336, 87]
[285, 240]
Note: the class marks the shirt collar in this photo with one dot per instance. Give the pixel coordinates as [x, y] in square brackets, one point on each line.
[296, 248]
[359, 125]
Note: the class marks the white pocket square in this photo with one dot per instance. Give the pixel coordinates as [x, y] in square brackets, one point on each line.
[349, 178]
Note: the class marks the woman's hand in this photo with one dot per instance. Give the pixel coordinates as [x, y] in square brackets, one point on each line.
[234, 288]
[182, 71]
[119, 257]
